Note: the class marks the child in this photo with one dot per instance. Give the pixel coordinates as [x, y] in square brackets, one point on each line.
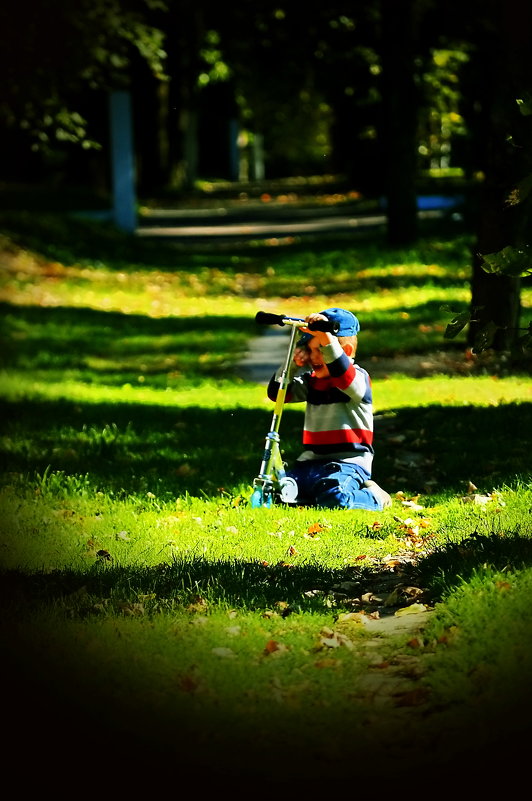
[335, 468]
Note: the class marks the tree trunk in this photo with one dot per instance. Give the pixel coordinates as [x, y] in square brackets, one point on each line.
[495, 299]
[400, 107]
[184, 36]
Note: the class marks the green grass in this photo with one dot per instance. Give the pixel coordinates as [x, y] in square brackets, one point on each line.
[180, 624]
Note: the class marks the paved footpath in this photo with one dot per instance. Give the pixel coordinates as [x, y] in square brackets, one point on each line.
[265, 354]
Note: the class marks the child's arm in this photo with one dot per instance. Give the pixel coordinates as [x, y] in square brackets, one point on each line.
[297, 391]
[344, 375]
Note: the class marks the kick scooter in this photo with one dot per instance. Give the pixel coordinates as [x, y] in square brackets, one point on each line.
[272, 483]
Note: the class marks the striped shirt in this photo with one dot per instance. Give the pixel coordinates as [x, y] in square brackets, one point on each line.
[338, 422]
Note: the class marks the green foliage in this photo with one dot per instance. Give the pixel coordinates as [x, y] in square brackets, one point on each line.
[485, 336]
[513, 261]
[54, 52]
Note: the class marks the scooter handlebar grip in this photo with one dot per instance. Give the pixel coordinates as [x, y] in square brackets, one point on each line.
[265, 318]
[329, 326]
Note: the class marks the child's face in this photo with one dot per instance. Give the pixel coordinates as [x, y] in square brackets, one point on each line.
[316, 359]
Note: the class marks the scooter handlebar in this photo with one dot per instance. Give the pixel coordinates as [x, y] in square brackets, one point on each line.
[266, 318]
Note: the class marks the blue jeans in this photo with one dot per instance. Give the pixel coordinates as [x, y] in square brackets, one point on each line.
[335, 485]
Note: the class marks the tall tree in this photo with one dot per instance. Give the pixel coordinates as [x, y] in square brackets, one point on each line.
[53, 53]
[400, 119]
[506, 62]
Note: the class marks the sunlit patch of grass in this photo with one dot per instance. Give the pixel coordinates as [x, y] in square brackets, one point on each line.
[400, 391]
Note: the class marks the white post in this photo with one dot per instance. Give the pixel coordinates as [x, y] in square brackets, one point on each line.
[234, 150]
[122, 161]
[258, 157]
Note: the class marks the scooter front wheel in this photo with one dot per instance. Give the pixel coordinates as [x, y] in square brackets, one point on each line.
[259, 500]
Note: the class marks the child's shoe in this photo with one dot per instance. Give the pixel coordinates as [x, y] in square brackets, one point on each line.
[381, 495]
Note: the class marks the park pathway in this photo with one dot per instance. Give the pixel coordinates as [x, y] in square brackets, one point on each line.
[263, 221]
[265, 353]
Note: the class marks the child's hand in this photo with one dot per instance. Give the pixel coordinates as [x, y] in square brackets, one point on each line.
[301, 356]
[321, 336]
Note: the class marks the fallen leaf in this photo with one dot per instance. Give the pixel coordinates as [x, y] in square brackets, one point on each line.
[503, 585]
[224, 653]
[411, 505]
[369, 597]
[413, 609]
[413, 592]
[198, 605]
[479, 500]
[335, 640]
[315, 528]
[352, 617]
[274, 647]
[326, 662]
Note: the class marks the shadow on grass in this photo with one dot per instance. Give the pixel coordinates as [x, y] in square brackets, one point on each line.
[182, 583]
[453, 563]
[193, 583]
[115, 348]
[136, 448]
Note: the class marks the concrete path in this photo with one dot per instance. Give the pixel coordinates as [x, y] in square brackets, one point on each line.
[265, 354]
[218, 224]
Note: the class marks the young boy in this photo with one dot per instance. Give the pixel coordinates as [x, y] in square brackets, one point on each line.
[334, 470]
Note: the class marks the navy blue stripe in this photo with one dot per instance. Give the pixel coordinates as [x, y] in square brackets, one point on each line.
[321, 397]
[344, 447]
[340, 365]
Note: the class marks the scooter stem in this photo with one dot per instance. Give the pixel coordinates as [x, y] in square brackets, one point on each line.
[272, 437]
[283, 383]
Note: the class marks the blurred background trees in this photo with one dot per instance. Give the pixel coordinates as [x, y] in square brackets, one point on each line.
[395, 99]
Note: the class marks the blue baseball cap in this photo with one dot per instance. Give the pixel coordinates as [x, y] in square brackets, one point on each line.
[349, 325]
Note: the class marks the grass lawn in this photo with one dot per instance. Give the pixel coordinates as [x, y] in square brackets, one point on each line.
[150, 614]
